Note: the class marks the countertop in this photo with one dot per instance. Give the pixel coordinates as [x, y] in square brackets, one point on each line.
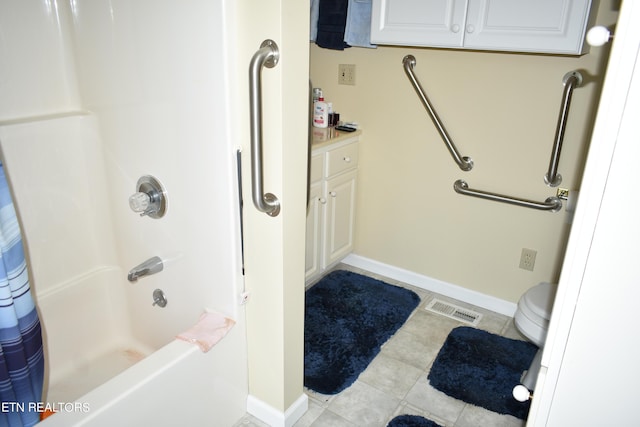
[328, 136]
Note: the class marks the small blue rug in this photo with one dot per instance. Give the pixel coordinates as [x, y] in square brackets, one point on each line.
[411, 421]
[482, 368]
[347, 318]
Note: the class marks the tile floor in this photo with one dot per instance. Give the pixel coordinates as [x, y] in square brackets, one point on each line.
[395, 382]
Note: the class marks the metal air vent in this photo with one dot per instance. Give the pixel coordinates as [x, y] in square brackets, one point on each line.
[454, 312]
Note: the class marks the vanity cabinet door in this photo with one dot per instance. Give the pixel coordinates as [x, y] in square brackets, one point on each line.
[340, 219]
[332, 202]
[315, 217]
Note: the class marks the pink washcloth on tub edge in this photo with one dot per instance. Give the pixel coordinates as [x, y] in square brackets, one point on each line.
[210, 328]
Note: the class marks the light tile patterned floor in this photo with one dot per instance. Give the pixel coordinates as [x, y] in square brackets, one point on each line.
[395, 382]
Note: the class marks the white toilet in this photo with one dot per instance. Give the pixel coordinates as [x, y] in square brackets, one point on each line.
[532, 320]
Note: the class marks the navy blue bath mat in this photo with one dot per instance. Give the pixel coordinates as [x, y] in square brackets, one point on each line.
[482, 368]
[347, 318]
[411, 421]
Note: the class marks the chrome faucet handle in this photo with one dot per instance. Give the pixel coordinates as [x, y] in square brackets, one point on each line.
[150, 199]
[159, 298]
[140, 202]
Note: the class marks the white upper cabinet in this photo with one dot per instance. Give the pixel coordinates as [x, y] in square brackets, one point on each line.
[437, 23]
[542, 26]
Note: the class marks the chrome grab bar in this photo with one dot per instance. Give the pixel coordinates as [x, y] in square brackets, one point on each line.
[464, 163]
[266, 56]
[571, 80]
[552, 204]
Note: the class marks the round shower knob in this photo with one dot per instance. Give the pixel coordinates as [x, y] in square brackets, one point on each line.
[521, 393]
[597, 36]
[150, 199]
[139, 202]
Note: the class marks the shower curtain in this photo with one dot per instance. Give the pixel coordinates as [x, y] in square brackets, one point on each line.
[21, 352]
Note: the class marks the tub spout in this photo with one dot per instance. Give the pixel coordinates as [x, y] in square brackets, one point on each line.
[147, 268]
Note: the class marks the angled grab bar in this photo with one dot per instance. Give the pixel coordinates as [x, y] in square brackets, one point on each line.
[464, 163]
[552, 204]
[571, 80]
[266, 56]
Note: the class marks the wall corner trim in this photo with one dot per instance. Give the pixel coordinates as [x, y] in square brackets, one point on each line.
[275, 418]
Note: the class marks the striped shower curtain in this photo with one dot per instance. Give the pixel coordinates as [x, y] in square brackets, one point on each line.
[21, 353]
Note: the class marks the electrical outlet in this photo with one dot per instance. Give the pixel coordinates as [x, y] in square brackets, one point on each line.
[528, 259]
[347, 74]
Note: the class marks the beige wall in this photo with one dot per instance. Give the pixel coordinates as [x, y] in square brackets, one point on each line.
[274, 246]
[501, 110]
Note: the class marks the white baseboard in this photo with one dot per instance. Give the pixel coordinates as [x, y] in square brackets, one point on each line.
[274, 418]
[434, 285]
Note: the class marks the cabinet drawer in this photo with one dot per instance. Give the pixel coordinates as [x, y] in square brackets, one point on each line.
[316, 168]
[342, 159]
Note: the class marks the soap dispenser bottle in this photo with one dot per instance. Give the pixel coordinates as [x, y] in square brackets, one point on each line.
[320, 113]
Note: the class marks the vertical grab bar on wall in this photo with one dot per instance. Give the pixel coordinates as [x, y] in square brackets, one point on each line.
[464, 163]
[571, 80]
[267, 56]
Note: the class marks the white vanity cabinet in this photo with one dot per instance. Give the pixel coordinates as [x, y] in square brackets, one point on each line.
[332, 201]
[537, 26]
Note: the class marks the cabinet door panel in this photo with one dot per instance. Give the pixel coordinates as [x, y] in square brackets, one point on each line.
[315, 217]
[554, 26]
[423, 22]
[340, 220]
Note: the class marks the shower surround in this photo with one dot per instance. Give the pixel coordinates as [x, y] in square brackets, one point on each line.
[94, 96]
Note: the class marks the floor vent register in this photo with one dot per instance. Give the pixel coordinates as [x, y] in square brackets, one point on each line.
[454, 312]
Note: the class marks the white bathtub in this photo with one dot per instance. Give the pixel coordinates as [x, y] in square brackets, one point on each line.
[100, 374]
[176, 385]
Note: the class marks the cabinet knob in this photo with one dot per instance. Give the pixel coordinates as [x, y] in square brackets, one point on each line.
[333, 193]
[455, 28]
[470, 28]
[347, 159]
[322, 200]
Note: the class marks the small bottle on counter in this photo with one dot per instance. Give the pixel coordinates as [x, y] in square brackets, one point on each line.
[320, 113]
